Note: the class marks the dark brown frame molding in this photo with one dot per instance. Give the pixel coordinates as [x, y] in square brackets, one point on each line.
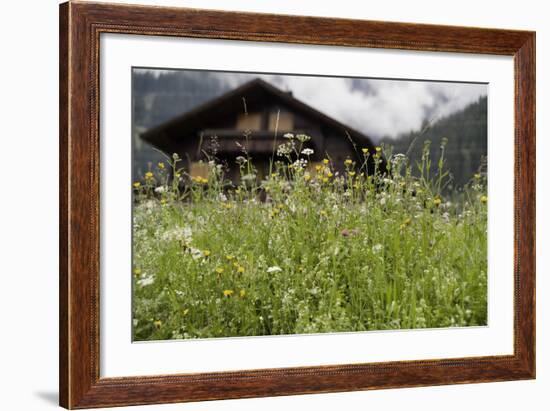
[81, 24]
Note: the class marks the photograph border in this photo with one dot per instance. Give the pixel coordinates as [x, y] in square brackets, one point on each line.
[81, 25]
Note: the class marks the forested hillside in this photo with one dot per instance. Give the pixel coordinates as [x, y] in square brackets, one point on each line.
[466, 150]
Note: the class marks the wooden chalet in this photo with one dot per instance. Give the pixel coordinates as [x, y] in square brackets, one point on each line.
[255, 116]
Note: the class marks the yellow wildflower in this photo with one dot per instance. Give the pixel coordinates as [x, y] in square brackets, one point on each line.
[242, 293]
[229, 257]
[325, 179]
[378, 149]
[160, 165]
[483, 199]
[240, 269]
[405, 223]
[365, 150]
[206, 253]
[228, 293]
[157, 323]
[219, 270]
[351, 173]
[437, 201]
[307, 177]
[148, 175]
[325, 161]
[137, 184]
[329, 174]
[185, 311]
[137, 271]
[236, 264]
[348, 162]
[477, 176]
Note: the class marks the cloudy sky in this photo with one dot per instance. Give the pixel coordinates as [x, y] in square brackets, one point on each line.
[374, 106]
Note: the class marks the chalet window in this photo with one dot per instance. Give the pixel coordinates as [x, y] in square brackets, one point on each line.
[286, 121]
[199, 169]
[250, 121]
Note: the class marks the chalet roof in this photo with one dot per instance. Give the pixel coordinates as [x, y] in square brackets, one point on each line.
[165, 136]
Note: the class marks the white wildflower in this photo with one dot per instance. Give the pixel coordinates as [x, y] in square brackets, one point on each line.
[377, 248]
[289, 136]
[178, 234]
[149, 205]
[307, 151]
[314, 290]
[187, 233]
[300, 163]
[160, 189]
[195, 253]
[249, 177]
[398, 157]
[284, 149]
[148, 280]
[222, 197]
[274, 269]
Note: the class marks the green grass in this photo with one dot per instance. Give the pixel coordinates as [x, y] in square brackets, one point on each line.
[323, 252]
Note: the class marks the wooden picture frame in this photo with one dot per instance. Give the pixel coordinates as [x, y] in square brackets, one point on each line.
[80, 27]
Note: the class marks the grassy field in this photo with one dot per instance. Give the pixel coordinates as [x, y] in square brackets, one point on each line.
[322, 251]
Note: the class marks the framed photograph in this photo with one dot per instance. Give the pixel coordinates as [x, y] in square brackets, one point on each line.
[258, 205]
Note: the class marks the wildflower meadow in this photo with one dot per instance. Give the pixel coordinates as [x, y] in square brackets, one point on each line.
[306, 249]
